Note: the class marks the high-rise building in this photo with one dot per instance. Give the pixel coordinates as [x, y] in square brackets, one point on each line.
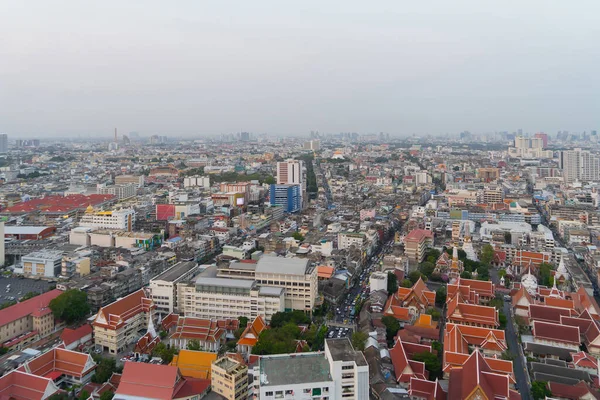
[290, 172]
[3, 143]
[580, 165]
[544, 137]
[288, 196]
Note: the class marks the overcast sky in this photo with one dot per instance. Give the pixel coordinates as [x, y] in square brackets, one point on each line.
[281, 67]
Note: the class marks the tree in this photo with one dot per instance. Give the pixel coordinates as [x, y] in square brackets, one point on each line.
[8, 304]
[358, 340]
[487, 254]
[427, 268]
[539, 390]
[163, 334]
[456, 168]
[59, 396]
[440, 295]
[437, 346]
[546, 277]
[70, 306]
[296, 317]
[392, 283]
[84, 395]
[165, 353]
[435, 314]
[432, 255]
[508, 356]
[269, 180]
[298, 236]
[465, 275]
[243, 321]
[392, 326]
[277, 340]
[107, 396]
[502, 319]
[406, 283]
[105, 367]
[414, 276]
[432, 363]
[193, 344]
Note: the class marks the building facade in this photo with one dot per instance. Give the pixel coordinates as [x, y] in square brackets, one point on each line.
[287, 196]
[229, 378]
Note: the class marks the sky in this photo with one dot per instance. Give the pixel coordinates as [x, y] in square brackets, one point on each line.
[194, 68]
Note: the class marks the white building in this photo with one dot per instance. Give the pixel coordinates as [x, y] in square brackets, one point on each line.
[338, 373]
[378, 281]
[295, 275]
[163, 288]
[347, 239]
[119, 191]
[122, 219]
[290, 172]
[197, 180]
[45, 263]
[580, 165]
[223, 298]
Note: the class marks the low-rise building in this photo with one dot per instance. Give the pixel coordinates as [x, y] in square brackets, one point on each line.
[44, 263]
[121, 219]
[163, 288]
[229, 378]
[117, 324]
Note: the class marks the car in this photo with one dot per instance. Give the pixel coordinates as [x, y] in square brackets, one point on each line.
[97, 350]
[507, 298]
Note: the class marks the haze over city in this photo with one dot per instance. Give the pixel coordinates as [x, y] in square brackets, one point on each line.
[196, 68]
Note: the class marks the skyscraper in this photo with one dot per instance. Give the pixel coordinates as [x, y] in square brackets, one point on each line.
[3, 143]
[580, 165]
[290, 172]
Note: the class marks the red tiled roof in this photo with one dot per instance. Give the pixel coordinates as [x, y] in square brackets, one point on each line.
[62, 361]
[69, 336]
[20, 385]
[27, 307]
[418, 234]
[169, 321]
[114, 315]
[192, 387]
[474, 375]
[204, 330]
[250, 335]
[574, 392]
[556, 332]
[540, 312]
[150, 381]
[59, 204]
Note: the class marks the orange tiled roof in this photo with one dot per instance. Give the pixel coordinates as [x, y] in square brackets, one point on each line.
[459, 312]
[63, 361]
[150, 381]
[114, 315]
[20, 385]
[194, 364]
[250, 335]
[204, 330]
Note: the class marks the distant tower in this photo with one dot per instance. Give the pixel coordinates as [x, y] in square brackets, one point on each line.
[116, 140]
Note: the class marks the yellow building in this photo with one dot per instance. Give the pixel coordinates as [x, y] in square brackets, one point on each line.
[229, 378]
[194, 364]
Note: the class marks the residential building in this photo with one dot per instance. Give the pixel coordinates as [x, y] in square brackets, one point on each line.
[580, 165]
[296, 276]
[137, 180]
[163, 288]
[121, 219]
[290, 172]
[197, 180]
[229, 378]
[44, 263]
[286, 195]
[117, 324]
[119, 191]
[27, 321]
[347, 239]
[338, 373]
[223, 298]
[416, 243]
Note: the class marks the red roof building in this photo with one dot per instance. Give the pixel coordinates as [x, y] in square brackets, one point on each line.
[62, 365]
[20, 385]
[61, 205]
[408, 303]
[471, 314]
[416, 242]
[472, 291]
[249, 337]
[210, 334]
[405, 367]
[557, 335]
[76, 338]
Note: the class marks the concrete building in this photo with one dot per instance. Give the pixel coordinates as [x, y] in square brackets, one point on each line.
[3, 143]
[122, 219]
[223, 298]
[27, 321]
[378, 281]
[416, 243]
[130, 180]
[46, 263]
[117, 325]
[75, 264]
[290, 172]
[229, 378]
[580, 165]
[119, 191]
[295, 275]
[163, 288]
[338, 373]
[347, 239]
[197, 181]
[287, 196]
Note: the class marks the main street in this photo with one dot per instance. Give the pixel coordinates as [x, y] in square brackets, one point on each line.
[515, 349]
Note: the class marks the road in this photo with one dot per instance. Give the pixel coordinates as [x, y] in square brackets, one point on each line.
[514, 348]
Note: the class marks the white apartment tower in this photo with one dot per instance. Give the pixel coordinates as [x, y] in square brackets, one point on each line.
[290, 172]
[580, 165]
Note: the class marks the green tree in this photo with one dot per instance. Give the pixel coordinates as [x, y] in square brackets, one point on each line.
[432, 363]
[502, 319]
[3, 350]
[508, 356]
[193, 344]
[269, 180]
[277, 340]
[243, 322]
[107, 396]
[70, 306]
[7, 304]
[546, 277]
[465, 275]
[163, 334]
[539, 390]
[431, 255]
[427, 268]
[440, 295]
[414, 276]
[392, 326]
[406, 283]
[59, 396]
[84, 395]
[358, 340]
[165, 352]
[296, 317]
[105, 367]
[435, 314]
[487, 254]
[392, 283]
[437, 346]
[298, 236]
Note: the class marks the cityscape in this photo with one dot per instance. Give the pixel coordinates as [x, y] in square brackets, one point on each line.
[299, 201]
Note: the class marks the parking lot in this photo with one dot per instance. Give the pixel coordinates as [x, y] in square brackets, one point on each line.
[19, 287]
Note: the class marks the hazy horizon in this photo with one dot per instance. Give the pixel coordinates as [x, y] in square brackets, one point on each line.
[194, 68]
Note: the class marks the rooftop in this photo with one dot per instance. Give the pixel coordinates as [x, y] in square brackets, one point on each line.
[27, 307]
[225, 282]
[294, 369]
[45, 254]
[270, 291]
[282, 265]
[176, 271]
[342, 350]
